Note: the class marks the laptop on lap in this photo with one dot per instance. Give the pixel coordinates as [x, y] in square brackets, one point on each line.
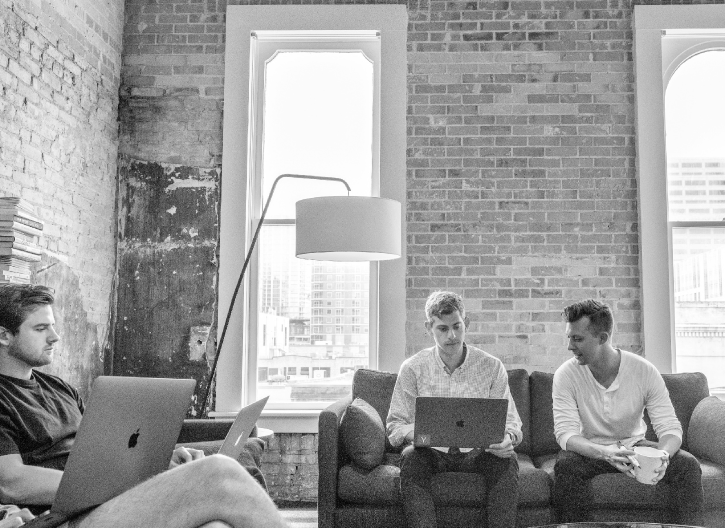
[459, 422]
[127, 435]
[241, 428]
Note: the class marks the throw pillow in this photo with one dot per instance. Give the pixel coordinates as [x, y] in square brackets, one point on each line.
[706, 430]
[363, 434]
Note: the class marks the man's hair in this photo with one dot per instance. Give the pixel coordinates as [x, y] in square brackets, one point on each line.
[17, 301]
[443, 303]
[599, 314]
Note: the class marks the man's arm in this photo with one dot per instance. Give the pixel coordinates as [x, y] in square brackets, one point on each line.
[500, 389]
[400, 422]
[23, 484]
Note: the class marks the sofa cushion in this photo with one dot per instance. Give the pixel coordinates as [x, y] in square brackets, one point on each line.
[713, 485]
[543, 441]
[519, 385]
[535, 484]
[381, 485]
[363, 434]
[376, 388]
[686, 390]
[706, 433]
[377, 486]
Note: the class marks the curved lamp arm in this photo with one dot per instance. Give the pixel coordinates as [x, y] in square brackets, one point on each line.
[244, 269]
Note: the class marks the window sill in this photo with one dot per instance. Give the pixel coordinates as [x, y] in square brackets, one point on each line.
[283, 420]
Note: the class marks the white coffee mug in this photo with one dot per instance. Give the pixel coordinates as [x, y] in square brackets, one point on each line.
[649, 459]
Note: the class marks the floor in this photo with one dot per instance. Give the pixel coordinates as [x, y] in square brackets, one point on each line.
[300, 517]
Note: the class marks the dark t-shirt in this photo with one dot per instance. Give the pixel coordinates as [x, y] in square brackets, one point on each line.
[39, 419]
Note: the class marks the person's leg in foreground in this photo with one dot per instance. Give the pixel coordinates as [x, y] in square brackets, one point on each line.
[417, 467]
[214, 491]
[572, 491]
[502, 487]
[684, 475]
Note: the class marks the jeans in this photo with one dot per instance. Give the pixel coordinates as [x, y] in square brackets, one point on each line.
[572, 490]
[419, 465]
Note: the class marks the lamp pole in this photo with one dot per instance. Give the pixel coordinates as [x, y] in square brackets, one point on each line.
[244, 269]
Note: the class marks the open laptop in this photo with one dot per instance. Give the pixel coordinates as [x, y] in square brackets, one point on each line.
[127, 435]
[459, 422]
[241, 428]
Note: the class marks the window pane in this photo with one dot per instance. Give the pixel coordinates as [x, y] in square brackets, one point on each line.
[326, 356]
[318, 115]
[695, 124]
[699, 279]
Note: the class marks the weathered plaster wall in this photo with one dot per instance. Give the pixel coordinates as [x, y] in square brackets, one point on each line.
[166, 269]
[59, 77]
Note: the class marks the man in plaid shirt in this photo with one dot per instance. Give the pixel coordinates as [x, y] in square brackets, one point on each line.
[453, 368]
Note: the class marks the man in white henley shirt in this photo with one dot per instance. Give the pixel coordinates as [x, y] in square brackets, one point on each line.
[599, 399]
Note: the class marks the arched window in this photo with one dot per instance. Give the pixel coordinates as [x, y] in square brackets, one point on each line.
[679, 56]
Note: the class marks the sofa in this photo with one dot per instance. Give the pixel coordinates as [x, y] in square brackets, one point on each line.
[359, 477]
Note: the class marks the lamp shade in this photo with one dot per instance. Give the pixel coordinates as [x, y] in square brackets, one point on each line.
[348, 228]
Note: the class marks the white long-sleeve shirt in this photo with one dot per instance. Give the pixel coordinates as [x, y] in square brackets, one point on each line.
[481, 375]
[582, 406]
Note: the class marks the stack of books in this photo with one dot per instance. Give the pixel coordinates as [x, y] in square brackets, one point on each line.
[20, 230]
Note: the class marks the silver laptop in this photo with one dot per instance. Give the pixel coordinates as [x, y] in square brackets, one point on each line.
[127, 435]
[459, 422]
[241, 428]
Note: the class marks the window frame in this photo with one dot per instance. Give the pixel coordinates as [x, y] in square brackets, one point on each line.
[265, 46]
[236, 229]
[654, 67]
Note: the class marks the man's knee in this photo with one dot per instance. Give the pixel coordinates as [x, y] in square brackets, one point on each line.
[686, 465]
[568, 463]
[415, 463]
[220, 468]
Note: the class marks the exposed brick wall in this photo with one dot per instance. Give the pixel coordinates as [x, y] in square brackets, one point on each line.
[521, 183]
[289, 465]
[59, 77]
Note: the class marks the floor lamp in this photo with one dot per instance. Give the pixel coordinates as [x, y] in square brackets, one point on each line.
[336, 228]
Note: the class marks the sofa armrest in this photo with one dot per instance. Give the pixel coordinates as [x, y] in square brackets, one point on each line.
[705, 432]
[328, 460]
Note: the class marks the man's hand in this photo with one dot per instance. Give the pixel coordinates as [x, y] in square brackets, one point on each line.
[503, 450]
[12, 516]
[660, 471]
[182, 455]
[619, 458]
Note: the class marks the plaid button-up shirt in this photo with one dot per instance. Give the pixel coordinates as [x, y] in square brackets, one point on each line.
[481, 375]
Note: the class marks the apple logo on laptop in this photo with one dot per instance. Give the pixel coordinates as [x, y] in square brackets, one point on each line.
[460, 423]
[133, 439]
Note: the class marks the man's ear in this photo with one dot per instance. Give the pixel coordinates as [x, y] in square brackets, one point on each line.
[466, 321]
[603, 337]
[428, 326]
[5, 336]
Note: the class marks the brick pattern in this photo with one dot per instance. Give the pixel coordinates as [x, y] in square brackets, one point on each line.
[289, 465]
[521, 182]
[173, 74]
[59, 80]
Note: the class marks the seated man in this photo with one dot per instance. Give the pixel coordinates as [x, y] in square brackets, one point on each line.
[39, 417]
[599, 400]
[452, 367]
